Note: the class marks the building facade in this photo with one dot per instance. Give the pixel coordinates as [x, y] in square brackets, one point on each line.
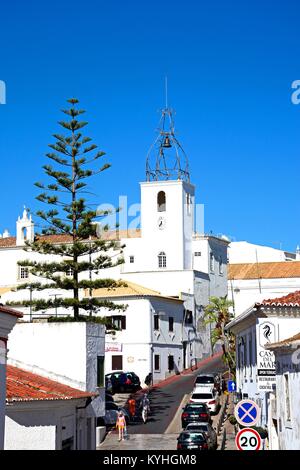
[264, 323]
[284, 418]
[8, 319]
[42, 414]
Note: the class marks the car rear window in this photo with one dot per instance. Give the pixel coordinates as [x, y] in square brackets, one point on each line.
[202, 396]
[204, 380]
[199, 407]
[198, 427]
[186, 436]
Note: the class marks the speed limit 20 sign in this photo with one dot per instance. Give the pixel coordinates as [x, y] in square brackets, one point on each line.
[248, 439]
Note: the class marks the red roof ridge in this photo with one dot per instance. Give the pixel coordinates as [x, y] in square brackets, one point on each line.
[22, 385]
[10, 311]
[290, 300]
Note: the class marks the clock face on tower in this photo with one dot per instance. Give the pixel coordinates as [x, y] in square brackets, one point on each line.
[161, 223]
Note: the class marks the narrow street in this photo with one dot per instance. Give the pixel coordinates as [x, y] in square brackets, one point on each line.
[165, 401]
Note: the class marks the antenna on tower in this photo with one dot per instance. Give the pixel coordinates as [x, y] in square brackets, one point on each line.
[166, 91]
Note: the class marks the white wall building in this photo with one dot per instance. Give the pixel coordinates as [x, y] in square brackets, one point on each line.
[8, 319]
[45, 415]
[245, 252]
[252, 282]
[166, 254]
[156, 335]
[284, 418]
[69, 353]
[264, 323]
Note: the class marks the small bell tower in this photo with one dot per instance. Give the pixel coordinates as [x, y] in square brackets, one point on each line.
[167, 202]
[25, 229]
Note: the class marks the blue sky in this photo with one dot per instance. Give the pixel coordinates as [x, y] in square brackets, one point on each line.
[230, 67]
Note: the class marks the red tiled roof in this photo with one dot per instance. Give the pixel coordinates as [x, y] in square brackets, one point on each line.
[10, 311]
[272, 270]
[10, 242]
[293, 340]
[290, 300]
[26, 386]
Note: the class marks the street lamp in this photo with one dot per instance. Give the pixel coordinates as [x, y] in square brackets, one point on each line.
[30, 300]
[55, 296]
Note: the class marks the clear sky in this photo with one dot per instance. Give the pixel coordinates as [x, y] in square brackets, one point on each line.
[230, 66]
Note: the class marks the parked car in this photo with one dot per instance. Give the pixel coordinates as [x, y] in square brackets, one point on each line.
[124, 381]
[208, 430]
[190, 440]
[194, 412]
[111, 414]
[209, 381]
[209, 397]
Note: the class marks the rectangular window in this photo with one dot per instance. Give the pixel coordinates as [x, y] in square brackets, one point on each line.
[157, 362]
[170, 363]
[116, 362]
[212, 262]
[70, 272]
[287, 398]
[119, 322]
[197, 253]
[23, 272]
[188, 315]
[171, 324]
[220, 267]
[156, 322]
[131, 259]
[100, 371]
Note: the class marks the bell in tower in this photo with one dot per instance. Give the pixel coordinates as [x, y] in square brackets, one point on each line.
[166, 159]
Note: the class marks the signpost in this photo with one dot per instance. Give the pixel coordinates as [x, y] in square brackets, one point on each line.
[248, 439]
[231, 386]
[247, 413]
[266, 368]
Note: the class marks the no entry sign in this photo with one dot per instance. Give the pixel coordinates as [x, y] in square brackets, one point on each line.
[248, 439]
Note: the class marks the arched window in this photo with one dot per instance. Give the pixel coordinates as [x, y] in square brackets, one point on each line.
[162, 260]
[24, 230]
[161, 201]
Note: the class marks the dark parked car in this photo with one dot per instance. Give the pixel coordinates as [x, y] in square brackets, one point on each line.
[124, 381]
[208, 430]
[190, 440]
[195, 412]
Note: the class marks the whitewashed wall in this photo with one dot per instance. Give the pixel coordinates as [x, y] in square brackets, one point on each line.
[44, 425]
[66, 352]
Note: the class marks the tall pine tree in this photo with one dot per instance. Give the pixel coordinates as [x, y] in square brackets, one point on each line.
[68, 213]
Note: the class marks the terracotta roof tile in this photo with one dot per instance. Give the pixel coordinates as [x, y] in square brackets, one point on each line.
[10, 242]
[10, 311]
[293, 340]
[274, 270]
[26, 386]
[290, 300]
[130, 290]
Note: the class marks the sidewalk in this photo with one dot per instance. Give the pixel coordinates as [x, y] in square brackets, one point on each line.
[230, 431]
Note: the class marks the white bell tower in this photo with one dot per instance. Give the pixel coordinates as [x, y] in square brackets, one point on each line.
[25, 229]
[167, 203]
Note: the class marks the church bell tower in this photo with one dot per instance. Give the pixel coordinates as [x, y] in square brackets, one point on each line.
[167, 201]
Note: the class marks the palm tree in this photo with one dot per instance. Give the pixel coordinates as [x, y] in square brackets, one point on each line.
[217, 313]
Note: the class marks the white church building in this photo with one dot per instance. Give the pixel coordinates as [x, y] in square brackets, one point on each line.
[165, 255]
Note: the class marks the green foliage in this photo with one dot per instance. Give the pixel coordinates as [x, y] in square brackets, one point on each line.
[232, 420]
[217, 313]
[74, 160]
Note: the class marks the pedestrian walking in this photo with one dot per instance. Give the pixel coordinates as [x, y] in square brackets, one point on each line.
[132, 408]
[121, 425]
[148, 379]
